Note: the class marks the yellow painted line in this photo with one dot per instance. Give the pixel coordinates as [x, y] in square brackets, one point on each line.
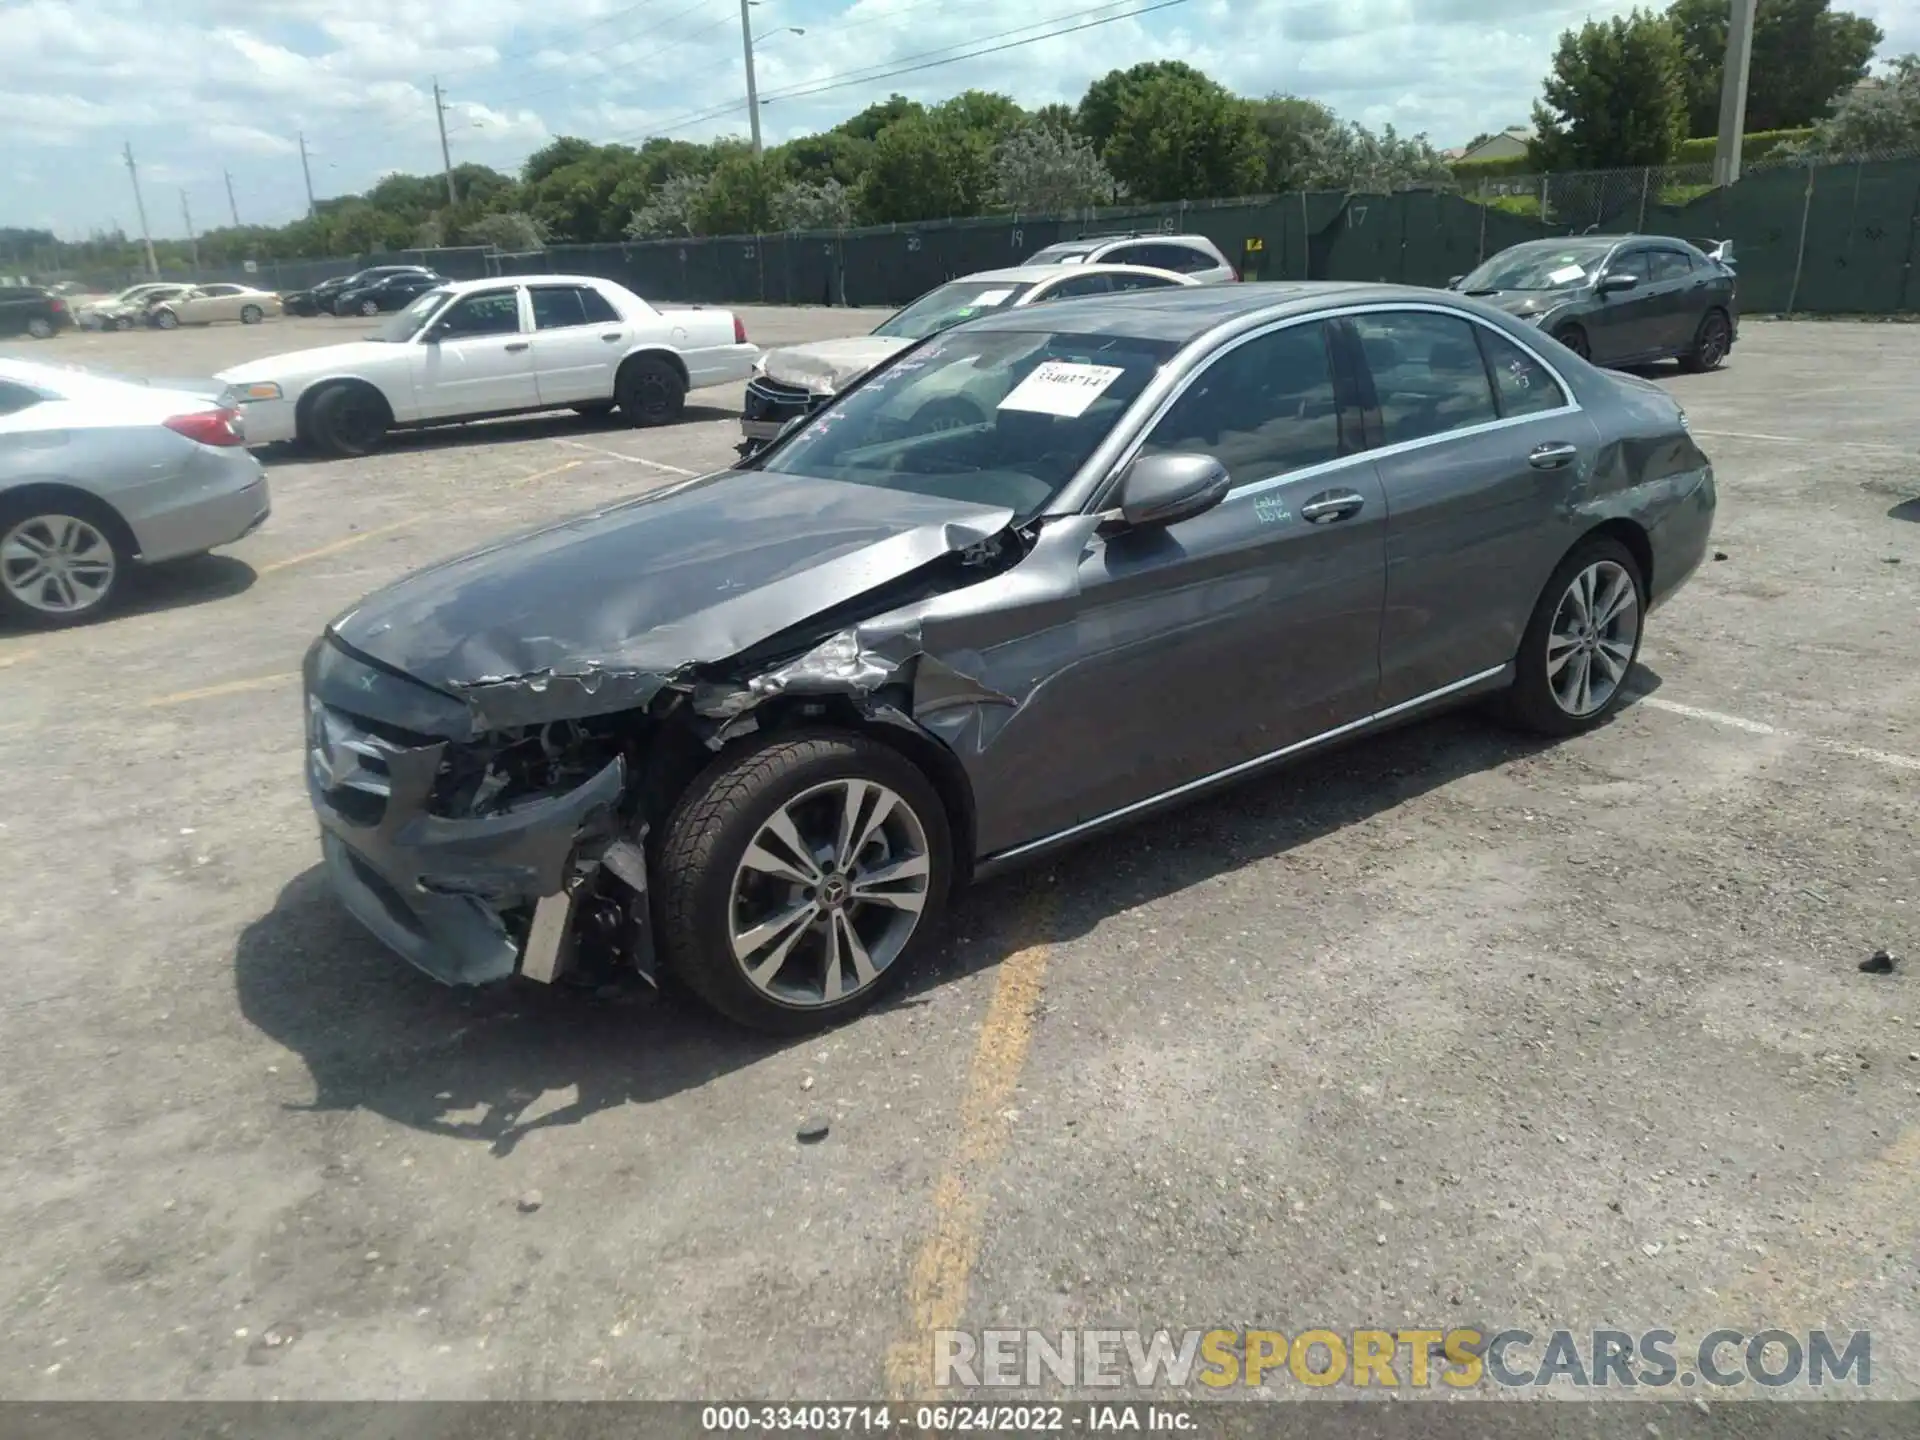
[337, 546]
[19, 657]
[943, 1269]
[230, 687]
[550, 473]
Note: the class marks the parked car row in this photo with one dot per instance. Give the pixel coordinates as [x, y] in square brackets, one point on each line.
[379, 290]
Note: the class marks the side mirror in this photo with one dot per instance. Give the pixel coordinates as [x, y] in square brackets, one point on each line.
[1617, 280]
[1162, 490]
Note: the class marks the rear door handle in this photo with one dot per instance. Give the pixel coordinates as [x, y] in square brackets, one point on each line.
[517, 345]
[1555, 456]
[1331, 505]
[612, 335]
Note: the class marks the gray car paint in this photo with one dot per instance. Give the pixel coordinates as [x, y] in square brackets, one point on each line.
[1053, 675]
[102, 436]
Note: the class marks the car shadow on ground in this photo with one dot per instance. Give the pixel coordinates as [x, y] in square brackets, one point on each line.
[1906, 510]
[546, 425]
[468, 1065]
[171, 585]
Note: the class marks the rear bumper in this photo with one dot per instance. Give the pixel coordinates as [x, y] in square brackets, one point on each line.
[1681, 538]
[722, 365]
[218, 497]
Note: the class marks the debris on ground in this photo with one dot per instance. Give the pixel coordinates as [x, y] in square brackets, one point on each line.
[529, 1202]
[1719, 554]
[1881, 962]
[812, 1133]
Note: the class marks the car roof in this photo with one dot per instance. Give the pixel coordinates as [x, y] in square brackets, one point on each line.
[1183, 312]
[1034, 274]
[461, 287]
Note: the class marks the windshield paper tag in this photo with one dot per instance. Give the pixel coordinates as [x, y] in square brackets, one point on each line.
[1566, 275]
[1061, 388]
[987, 298]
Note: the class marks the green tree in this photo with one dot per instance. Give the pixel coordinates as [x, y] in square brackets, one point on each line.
[1298, 135]
[924, 171]
[981, 111]
[1038, 170]
[555, 155]
[1882, 118]
[739, 197]
[831, 155]
[513, 231]
[1616, 97]
[671, 209]
[1181, 136]
[814, 205]
[868, 124]
[1805, 56]
[1099, 113]
[1057, 118]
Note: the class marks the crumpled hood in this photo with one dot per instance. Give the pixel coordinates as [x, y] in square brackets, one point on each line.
[322, 359]
[829, 365]
[595, 613]
[1528, 303]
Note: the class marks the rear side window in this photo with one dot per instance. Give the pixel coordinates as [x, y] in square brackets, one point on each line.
[1521, 384]
[1669, 264]
[1184, 259]
[1263, 409]
[1427, 373]
[1078, 285]
[1141, 282]
[1632, 262]
[557, 306]
[599, 309]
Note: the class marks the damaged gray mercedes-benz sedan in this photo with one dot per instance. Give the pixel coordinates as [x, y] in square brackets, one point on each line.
[762, 724]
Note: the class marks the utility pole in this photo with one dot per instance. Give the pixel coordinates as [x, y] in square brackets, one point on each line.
[446, 158]
[1733, 93]
[233, 206]
[307, 171]
[753, 94]
[153, 265]
[193, 240]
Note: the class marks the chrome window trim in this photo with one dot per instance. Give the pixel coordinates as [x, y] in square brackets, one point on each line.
[1130, 448]
[1243, 766]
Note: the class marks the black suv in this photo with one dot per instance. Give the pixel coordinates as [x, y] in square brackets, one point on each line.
[387, 287]
[31, 310]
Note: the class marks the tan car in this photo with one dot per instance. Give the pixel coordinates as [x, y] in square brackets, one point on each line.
[207, 304]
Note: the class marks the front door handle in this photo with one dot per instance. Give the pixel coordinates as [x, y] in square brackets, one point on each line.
[612, 335]
[516, 345]
[1555, 456]
[1331, 505]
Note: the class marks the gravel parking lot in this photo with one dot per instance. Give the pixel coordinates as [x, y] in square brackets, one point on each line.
[1448, 1028]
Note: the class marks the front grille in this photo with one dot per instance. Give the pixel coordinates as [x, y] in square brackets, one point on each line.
[349, 763]
[770, 400]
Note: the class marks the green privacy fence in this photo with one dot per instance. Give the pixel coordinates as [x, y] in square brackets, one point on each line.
[1830, 239]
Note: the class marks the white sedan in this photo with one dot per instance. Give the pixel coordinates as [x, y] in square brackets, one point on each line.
[209, 304]
[474, 349]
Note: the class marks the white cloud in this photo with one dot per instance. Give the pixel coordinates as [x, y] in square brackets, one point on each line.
[199, 87]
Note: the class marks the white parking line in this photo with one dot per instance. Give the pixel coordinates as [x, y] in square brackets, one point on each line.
[1801, 440]
[1760, 727]
[630, 459]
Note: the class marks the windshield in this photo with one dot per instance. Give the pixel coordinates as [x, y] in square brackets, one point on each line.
[1543, 267]
[1061, 255]
[1000, 418]
[949, 305]
[403, 325]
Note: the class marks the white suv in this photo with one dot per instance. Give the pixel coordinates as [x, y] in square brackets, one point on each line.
[1193, 255]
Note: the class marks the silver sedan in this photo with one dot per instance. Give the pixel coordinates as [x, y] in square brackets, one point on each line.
[98, 474]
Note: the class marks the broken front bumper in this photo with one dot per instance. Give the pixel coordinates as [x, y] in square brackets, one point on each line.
[466, 901]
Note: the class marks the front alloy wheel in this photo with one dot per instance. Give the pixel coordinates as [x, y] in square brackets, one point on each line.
[797, 876]
[369, 307]
[56, 569]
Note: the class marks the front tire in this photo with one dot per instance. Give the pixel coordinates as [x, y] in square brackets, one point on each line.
[123, 322]
[40, 328]
[369, 307]
[1582, 642]
[650, 391]
[167, 320]
[800, 876]
[348, 421]
[1575, 339]
[251, 315]
[1710, 344]
[63, 561]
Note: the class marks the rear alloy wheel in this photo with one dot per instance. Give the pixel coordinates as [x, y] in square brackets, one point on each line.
[1710, 344]
[650, 391]
[1575, 339]
[347, 421]
[1582, 642]
[369, 307]
[167, 320]
[797, 877]
[251, 315]
[57, 567]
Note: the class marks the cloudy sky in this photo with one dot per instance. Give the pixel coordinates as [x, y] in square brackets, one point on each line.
[203, 90]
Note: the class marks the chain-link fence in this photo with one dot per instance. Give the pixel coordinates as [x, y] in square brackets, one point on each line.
[1817, 236]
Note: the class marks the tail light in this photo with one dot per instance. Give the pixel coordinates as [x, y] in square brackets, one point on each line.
[209, 427]
[739, 331]
[56, 304]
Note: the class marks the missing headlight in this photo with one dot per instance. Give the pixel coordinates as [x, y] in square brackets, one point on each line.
[507, 768]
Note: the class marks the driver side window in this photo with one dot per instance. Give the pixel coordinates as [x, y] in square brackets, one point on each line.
[490, 312]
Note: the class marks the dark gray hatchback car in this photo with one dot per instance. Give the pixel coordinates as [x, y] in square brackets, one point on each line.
[763, 723]
[1617, 299]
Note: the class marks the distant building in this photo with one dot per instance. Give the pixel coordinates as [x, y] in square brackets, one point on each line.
[1509, 144]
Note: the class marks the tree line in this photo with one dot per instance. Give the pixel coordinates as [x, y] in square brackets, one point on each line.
[1623, 92]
